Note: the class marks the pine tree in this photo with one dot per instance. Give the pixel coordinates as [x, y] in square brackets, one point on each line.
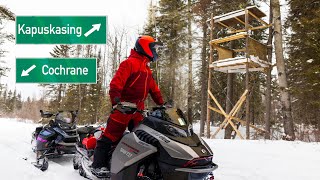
[172, 28]
[203, 10]
[5, 15]
[304, 61]
[18, 102]
[9, 102]
[190, 73]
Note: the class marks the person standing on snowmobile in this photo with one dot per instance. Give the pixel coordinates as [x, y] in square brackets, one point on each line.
[131, 83]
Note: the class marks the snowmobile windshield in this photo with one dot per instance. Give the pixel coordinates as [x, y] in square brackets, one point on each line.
[64, 117]
[175, 116]
[172, 123]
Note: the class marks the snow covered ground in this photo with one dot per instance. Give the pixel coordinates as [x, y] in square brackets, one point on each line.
[237, 159]
[15, 146]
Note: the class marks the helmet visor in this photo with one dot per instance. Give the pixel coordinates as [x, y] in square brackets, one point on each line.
[155, 47]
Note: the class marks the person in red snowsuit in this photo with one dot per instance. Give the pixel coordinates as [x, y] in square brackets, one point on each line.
[132, 83]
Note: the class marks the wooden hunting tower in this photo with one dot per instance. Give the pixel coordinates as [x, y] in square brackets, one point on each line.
[252, 56]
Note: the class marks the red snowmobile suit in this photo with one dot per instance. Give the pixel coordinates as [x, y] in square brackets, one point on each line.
[131, 83]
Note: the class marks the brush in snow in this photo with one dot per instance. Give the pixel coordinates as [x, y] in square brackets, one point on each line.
[162, 146]
[56, 138]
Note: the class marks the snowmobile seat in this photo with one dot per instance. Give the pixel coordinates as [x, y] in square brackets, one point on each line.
[86, 130]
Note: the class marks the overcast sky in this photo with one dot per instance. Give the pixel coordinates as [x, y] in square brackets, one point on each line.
[131, 14]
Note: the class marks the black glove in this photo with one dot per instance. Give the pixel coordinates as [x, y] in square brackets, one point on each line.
[117, 100]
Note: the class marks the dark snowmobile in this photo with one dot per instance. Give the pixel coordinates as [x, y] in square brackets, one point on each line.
[56, 138]
[162, 146]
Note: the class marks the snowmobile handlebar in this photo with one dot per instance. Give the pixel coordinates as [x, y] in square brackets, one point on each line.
[131, 108]
[47, 114]
[56, 118]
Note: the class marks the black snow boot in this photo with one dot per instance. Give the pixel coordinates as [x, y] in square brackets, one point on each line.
[101, 153]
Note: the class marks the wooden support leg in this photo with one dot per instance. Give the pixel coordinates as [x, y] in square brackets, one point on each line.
[238, 107]
[231, 114]
[238, 119]
[221, 109]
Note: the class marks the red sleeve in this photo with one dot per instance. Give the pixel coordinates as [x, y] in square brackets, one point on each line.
[155, 92]
[119, 80]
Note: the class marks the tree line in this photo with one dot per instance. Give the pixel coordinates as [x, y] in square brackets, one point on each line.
[277, 102]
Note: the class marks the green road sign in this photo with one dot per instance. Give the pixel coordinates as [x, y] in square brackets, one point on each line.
[56, 70]
[61, 29]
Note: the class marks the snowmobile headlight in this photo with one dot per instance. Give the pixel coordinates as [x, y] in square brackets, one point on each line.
[202, 161]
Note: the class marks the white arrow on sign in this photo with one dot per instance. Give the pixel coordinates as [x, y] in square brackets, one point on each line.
[26, 72]
[94, 27]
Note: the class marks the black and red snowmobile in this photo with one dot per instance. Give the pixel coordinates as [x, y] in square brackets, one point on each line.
[163, 146]
[56, 138]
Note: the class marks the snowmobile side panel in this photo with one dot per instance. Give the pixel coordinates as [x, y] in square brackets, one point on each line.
[129, 151]
[174, 149]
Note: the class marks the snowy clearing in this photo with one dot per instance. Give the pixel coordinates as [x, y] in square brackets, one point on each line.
[237, 159]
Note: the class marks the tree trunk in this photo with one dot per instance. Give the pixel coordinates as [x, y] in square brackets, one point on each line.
[209, 78]
[172, 77]
[247, 83]
[59, 96]
[268, 81]
[190, 79]
[204, 79]
[282, 77]
[80, 100]
[229, 98]
[229, 102]
[173, 57]
[114, 63]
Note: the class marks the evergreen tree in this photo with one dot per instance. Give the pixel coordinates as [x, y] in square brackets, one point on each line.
[304, 60]
[172, 32]
[18, 102]
[5, 15]
[9, 102]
